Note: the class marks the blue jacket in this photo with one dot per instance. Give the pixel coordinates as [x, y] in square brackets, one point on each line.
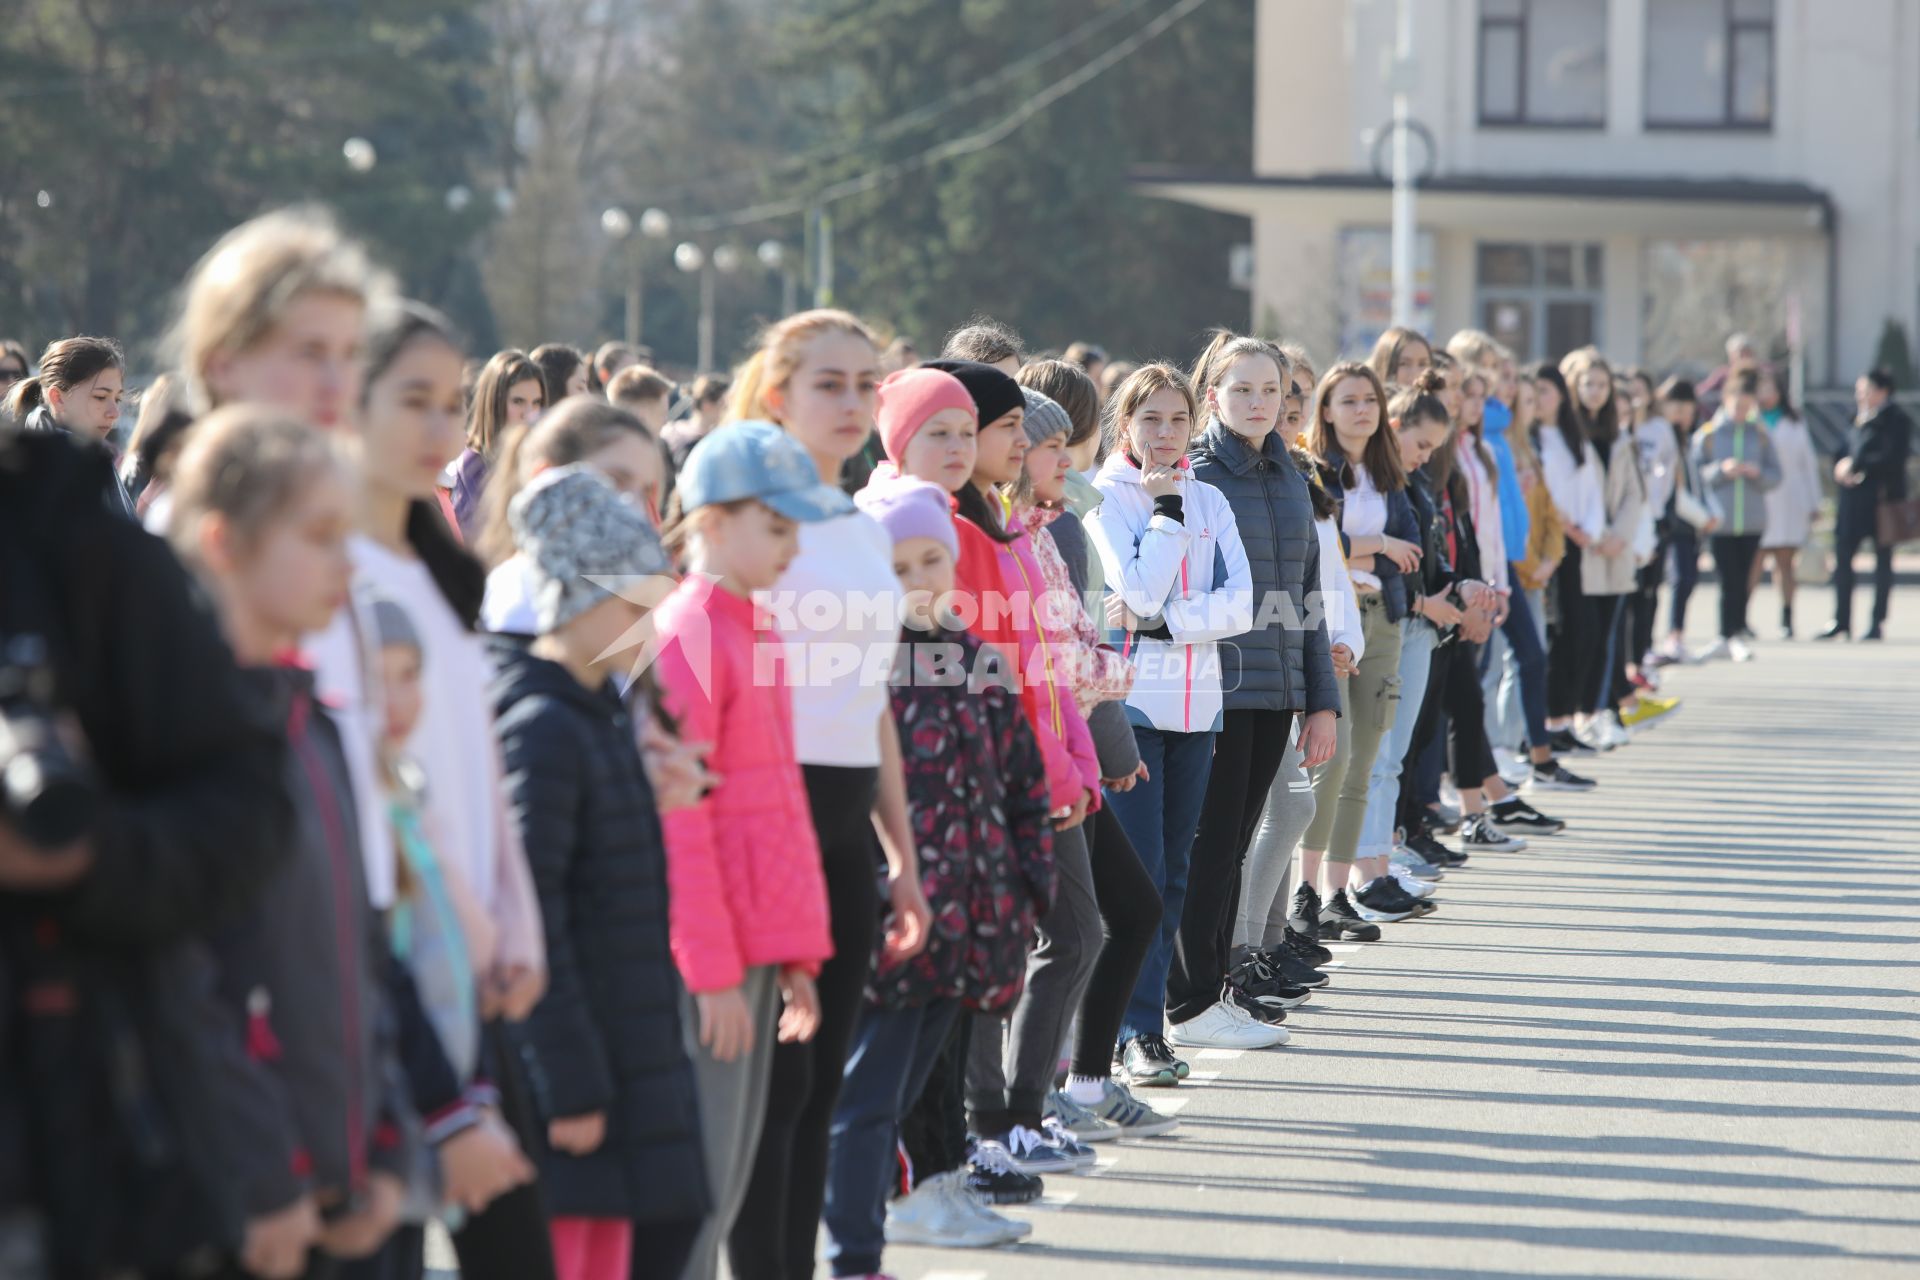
[1515, 524]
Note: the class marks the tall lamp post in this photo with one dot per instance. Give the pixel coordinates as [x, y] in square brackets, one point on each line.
[774, 257]
[1401, 78]
[654, 225]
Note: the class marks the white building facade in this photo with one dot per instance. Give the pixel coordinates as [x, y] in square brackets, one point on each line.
[1644, 174]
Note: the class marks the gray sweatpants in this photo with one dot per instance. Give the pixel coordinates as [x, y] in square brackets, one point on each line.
[1263, 880]
[733, 1109]
[1011, 1062]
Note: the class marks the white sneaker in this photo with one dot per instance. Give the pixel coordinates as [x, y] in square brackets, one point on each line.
[1413, 864]
[1615, 731]
[938, 1213]
[1449, 794]
[1718, 649]
[1740, 649]
[1223, 1026]
[1411, 883]
[971, 1202]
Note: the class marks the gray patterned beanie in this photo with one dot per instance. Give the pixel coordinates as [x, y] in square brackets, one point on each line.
[572, 525]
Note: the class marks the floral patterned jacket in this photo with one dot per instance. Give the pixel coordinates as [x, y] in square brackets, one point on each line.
[1097, 672]
[977, 788]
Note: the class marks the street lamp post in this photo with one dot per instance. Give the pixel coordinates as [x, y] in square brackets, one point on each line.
[654, 225]
[1401, 77]
[774, 257]
[690, 257]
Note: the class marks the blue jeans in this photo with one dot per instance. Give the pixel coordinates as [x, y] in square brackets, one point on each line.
[1514, 678]
[1160, 816]
[1383, 784]
[893, 1053]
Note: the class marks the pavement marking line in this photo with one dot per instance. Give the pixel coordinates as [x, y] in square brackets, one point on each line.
[1171, 1107]
[1100, 1166]
[1201, 1077]
[1051, 1200]
[955, 1275]
[1218, 1055]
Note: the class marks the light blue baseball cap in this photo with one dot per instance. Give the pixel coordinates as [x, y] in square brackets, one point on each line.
[760, 461]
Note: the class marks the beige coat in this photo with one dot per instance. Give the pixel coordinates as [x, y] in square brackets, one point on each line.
[1626, 500]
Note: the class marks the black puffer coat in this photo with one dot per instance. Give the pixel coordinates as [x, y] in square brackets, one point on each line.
[1280, 665]
[607, 1035]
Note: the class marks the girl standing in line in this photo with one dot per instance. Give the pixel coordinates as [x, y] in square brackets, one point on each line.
[619, 1144]
[1571, 468]
[749, 900]
[978, 791]
[1793, 503]
[262, 509]
[1349, 436]
[1400, 356]
[1276, 674]
[1738, 469]
[1679, 406]
[1607, 564]
[815, 376]
[508, 395]
[1178, 583]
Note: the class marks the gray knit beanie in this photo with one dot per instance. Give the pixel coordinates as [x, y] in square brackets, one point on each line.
[1044, 417]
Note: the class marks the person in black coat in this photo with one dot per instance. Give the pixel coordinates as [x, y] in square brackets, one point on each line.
[621, 1162]
[109, 1028]
[1873, 470]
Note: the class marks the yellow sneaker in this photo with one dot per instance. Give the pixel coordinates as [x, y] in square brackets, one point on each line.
[1648, 709]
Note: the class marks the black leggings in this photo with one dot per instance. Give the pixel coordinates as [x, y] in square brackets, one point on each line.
[1129, 919]
[1645, 603]
[1465, 705]
[1246, 756]
[1579, 642]
[779, 1224]
[933, 1133]
[1733, 555]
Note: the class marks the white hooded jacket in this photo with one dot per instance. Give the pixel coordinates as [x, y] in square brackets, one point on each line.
[1189, 575]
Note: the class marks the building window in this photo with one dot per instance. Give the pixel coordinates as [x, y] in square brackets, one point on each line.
[1543, 62]
[1542, 300]
[1710, 64]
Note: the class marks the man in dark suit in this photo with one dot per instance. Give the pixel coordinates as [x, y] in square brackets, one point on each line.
[1872, 471]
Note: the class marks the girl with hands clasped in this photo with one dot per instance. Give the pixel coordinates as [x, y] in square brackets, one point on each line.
[748, 897]
[1178, 582]
[1359, 458]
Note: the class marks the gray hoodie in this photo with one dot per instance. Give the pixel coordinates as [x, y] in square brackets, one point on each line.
[1740, 504]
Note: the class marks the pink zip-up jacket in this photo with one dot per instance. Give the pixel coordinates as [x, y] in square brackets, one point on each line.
[1096, 672]
[744, 878]
[1043, 668]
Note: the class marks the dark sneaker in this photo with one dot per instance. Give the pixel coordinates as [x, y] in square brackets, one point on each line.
[1554, 776]
[1514, 814]
[1147, 1060]
[1304, 911]
[1294, 969]
[1252, 978]
[1427, 846]
[1383, 899]
[1480, 834]
[1304, 947]
[992, 1177]
[1338, 920]
[1565, 744]
[1266, 1014]
[1443, 819]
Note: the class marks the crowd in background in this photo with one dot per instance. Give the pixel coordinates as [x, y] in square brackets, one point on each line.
[629, 823]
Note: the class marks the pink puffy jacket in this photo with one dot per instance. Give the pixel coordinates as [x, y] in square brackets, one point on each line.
[744, 879]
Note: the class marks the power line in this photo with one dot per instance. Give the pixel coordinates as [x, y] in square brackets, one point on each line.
[956, 147]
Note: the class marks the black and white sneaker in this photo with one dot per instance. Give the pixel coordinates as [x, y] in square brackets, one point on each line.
[1267, 1015]
[1253, 978]
[1339, 920]
[1147, 1060]
[1565, 744]
[1481, 835]
[1444, 819]
[992, 1177]
[1429, 847]
[1514, 814]
[1304, 947]
[1554, 776]
[1382, 899]
[1294, 969]
[1303, 913]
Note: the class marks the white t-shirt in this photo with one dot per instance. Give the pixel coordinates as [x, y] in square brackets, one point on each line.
[838, 609]
[508, 606]
[454, 741]
[1363, 515]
